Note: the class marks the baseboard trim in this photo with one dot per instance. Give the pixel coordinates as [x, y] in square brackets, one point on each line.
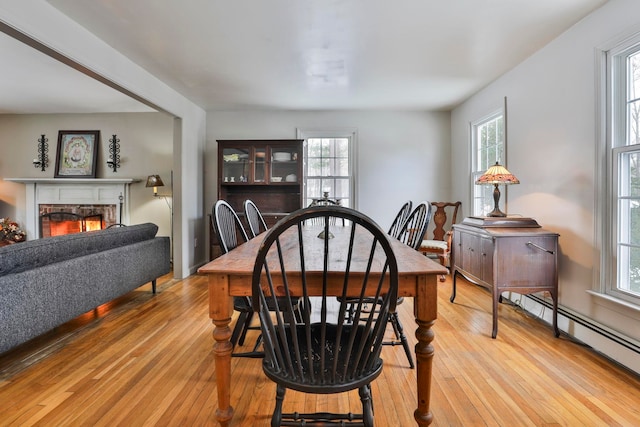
[615, 346]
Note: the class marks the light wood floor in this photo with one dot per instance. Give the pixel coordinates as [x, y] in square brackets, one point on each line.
[147, 360]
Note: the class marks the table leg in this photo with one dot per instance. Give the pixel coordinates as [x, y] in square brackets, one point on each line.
[425, 310]
[220, 314]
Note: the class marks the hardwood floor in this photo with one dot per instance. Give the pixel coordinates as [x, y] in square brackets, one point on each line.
[147, 360]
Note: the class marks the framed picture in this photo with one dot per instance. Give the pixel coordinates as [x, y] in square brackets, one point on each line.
[77, 153]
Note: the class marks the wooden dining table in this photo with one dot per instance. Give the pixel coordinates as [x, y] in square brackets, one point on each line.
[230, 275]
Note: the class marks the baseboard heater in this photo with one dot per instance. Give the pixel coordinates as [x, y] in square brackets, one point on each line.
[611, 335]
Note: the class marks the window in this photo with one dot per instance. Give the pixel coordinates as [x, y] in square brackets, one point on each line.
[328, 166]
[487, 148]
[622, 265]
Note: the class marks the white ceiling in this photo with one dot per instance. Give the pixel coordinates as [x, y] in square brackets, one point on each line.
[294, 54]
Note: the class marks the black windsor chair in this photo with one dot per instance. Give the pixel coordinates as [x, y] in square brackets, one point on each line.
[255, 219]
[231, 234]
[324, 352]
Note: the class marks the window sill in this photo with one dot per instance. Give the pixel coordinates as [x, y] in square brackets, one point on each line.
[615, 303]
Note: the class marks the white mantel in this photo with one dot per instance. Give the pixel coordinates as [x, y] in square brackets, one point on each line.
[96, 191]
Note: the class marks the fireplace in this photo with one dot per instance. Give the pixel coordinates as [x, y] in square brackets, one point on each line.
[56, 220]
[83, 197]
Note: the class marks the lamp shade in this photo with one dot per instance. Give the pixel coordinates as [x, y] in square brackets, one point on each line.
[154, 181]
[497, 174]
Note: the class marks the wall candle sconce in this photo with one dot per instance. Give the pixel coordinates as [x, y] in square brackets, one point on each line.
[43, 157]
[114, 153]
[154, 181]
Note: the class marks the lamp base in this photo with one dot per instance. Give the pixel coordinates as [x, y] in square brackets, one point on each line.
[496, 213]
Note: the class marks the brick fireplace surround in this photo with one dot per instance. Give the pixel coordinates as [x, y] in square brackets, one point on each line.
[73, 193]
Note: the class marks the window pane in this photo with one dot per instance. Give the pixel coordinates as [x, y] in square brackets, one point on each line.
[634, 77]
[629, 269]
[629, 168]
[500, 131]
[342, 149]
[633, 117]
[314, 167]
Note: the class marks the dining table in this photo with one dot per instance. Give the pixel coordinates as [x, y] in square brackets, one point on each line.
[230, 275]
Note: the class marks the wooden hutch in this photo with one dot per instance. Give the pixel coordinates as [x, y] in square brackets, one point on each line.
[267, 171]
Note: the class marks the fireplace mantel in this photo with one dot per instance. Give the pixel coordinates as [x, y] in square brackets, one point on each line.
[100, 191]
[63, 181]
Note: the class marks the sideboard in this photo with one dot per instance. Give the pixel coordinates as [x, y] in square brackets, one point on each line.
[504, 255]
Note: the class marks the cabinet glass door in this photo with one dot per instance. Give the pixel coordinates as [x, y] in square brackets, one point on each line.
[260, 164]
[284, 165]
[235, 165]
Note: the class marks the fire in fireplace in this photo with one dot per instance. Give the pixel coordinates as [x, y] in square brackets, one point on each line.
[56, 220]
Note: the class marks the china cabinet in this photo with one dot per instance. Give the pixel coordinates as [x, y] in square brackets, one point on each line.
[267, 171]
[504, 255]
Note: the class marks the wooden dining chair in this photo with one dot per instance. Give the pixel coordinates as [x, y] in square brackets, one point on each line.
[255, 220]
[323, 352]
[397, 227]
[415, 226]
[410, 233]
[231, 234]
[399, 220]
[444, 217]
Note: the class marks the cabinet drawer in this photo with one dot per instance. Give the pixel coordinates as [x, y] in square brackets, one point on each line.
[527, 261]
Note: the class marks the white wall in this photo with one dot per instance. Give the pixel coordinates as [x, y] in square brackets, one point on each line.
[552, 150]
[42, 22]
[146, 148]
[400, 155]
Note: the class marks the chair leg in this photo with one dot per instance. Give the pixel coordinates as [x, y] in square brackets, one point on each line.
[238, 329]
[243, 324]
[397, 327]
[444, 260]
[245, 327]
[367, 405]
[276, 419]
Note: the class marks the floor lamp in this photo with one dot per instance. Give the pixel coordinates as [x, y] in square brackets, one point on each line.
[155, 181]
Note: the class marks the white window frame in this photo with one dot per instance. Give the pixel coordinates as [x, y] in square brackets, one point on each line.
[611, 98]
[352, 135]
[482, 195]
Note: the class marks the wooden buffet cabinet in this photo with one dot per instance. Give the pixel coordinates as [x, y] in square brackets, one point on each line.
[267, 171]
[506, 254]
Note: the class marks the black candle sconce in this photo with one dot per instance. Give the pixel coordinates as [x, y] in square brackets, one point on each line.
[114, 153]
[42, 161]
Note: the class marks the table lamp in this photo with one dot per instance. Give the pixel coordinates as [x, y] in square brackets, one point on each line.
[496, 175]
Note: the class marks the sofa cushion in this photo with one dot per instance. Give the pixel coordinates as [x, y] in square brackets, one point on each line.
[36, 253]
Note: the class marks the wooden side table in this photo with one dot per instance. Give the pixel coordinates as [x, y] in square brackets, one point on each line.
[506, 254]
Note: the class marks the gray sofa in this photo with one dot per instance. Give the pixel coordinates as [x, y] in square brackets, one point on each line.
[47, 282]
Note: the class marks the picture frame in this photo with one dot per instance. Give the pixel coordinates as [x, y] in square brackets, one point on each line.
[77, 153]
